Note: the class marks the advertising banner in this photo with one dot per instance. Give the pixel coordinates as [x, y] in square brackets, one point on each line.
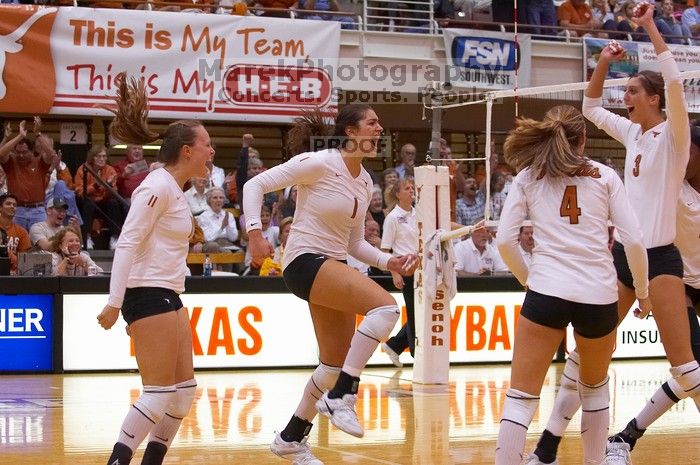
[640, 57]
[204, 66]
[26, 332]
[488, 60]
[275, 330]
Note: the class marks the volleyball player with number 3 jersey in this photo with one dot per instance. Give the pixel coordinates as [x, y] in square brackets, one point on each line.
[688, 243]
[572, 279]
[657, 154]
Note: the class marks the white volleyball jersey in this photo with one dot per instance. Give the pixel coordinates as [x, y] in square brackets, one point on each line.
[331, 206]
[153, 245]
[688, 234]
[570, 216]
[655, 160]
[400, 233]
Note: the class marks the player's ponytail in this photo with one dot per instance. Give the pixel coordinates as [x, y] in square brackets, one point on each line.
[130, 124]
[551, 147]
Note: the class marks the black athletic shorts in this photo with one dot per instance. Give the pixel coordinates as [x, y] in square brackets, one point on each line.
[589, 320]
[141, 302]
[693, 294]
[665, 259]
[300, 274]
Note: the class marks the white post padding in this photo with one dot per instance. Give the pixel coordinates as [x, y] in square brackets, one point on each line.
[432, 312]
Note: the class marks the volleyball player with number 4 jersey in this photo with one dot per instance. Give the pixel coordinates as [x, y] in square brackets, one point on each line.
[657, 154]
[334, 192]
[569, 200]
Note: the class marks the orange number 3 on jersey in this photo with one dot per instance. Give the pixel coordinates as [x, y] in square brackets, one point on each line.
[569, 205]
[637, 161]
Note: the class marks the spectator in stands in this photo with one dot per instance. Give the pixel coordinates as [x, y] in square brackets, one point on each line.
[280, 4]
[60, 184]
[272, 266]
[376, 206]
[498, 196]
[94, 195]
[527, 242]
[389, 177]
[27, 165]
[691, 19]
[131, 170]
[197, 240]
[471, 205]
[218, 225]
[197, 196]
[41, 233]
[408, 160]
[286, 206]
[602, 12]
[246, 169]
[326, 5]
[217, 175]
[68, 258]
[457, 181]
[233, 7]
[626, 25]
[3, 181]
[676, 27]
[269, 232]
[620, 172]
[17, 236]
[541, 13]
[577, 16]
[476, 257]
[374, 237]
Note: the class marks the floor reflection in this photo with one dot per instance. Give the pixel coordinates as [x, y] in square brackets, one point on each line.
[74, 418]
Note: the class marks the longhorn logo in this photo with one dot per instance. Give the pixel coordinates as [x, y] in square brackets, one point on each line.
[10, 43]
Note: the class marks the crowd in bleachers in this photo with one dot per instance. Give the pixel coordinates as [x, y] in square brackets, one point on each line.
[678, 20]
[42, 200]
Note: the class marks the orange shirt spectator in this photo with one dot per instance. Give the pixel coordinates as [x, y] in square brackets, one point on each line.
[27, 175]
[576, 13]
[97, 160]
[17, 237]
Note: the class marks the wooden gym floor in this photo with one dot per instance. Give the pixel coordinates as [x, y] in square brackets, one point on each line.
[74, 419]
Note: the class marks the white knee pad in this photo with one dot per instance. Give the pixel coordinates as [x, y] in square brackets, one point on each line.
[594, 398]
[672, 388]
[182, 402]
[379, 322]
[570, 375]
[154, 401]
[325, 376]
[520, 407]
[688, 378]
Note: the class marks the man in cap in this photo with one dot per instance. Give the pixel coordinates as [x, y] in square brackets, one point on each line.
[41, 233]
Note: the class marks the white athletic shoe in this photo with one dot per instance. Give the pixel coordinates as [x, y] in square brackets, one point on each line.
[299, 453]
[532, 459]
[617, 453]
[392, 355]
[342, 413]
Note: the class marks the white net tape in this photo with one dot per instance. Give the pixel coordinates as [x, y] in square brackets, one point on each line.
[573, 91]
